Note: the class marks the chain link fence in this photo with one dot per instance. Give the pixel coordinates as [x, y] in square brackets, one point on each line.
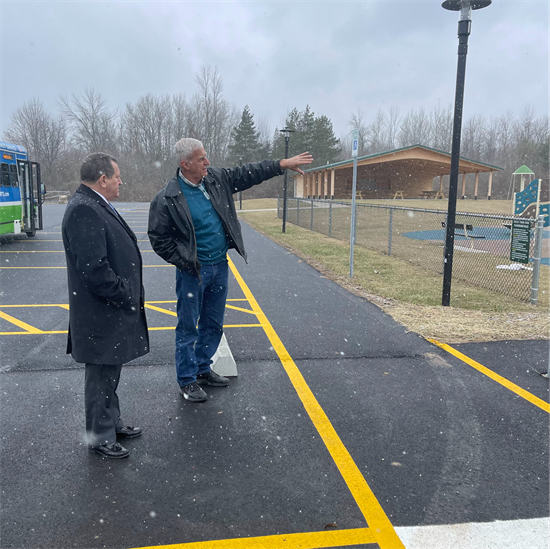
[481, 250]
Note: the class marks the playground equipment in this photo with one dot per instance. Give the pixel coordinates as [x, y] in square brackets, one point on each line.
[533, 200]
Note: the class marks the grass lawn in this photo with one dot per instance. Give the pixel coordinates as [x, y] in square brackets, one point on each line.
[409, 293]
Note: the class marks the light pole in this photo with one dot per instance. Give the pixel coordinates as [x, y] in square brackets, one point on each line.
[286, 132]
[464, 24]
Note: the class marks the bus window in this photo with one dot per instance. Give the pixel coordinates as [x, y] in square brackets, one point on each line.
[5, 175]
[14, 176]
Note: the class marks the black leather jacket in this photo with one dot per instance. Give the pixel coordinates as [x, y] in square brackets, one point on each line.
[171, 230]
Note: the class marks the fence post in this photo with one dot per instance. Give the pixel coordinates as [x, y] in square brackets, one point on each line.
[536, 259]
[391, 231]
[298, 212]
[311, 226]
[330, 220]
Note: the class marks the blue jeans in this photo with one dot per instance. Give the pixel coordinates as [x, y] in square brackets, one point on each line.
[200, 309]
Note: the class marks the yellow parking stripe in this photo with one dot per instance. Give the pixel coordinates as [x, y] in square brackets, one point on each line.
[45, 251]
[64, 305]
[307, 540]
[240, 309]
[150, 328]
[63, 267]
[160, 310]
[495, 377]
[377, 520]
[29, 329]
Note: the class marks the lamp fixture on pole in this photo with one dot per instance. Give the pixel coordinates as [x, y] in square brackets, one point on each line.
[286, 132]
[464, 24]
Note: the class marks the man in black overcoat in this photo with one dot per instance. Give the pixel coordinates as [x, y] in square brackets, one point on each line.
[107, 325]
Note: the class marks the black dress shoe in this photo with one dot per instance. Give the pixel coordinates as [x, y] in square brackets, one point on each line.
[129, 432]
[113, 451]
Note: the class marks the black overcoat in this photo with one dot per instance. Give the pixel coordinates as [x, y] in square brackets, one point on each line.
[107, 322]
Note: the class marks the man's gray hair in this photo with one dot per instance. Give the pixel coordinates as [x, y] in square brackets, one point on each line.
[185, 147]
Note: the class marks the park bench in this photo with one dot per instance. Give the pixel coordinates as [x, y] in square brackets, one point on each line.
[465, 229]
[468, 232]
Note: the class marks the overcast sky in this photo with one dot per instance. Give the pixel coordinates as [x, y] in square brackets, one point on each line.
[335, 56]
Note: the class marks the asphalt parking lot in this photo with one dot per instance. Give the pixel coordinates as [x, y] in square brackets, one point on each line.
[341, 429]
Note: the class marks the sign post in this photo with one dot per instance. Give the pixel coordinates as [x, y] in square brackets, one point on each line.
[354, 151]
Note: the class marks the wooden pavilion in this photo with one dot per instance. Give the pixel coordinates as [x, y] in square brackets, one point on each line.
[402, 173]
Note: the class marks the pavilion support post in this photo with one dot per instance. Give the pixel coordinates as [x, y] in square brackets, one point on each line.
[441, 183]
[463, 185]
[477, 181]
[490, 185]
[332, 178]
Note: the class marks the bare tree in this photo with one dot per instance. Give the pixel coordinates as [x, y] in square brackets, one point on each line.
[376, 132]
[416, 128]
[442, 128]
[474, 136]
[44, 137]
[392, 127]
[215, 116]
[146, 143]
[92, 124]
[357, 122]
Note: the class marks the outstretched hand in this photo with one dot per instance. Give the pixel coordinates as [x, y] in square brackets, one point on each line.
[295, 162]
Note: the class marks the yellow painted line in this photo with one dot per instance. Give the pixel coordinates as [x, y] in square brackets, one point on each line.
[239, 299]
[29, 329]
[306, 540]
[63, 305]
[171, 301]
[34, 333]
[157, 328]
[144, 266]
[240, 309]
[160, 310]
[150, 328]
[45, 251]
[377, 520]
[243, 325]
[494, 376]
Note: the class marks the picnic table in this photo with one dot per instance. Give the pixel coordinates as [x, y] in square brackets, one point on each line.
[433, 194]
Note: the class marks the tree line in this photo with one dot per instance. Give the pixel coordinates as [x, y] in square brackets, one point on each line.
[141, 136]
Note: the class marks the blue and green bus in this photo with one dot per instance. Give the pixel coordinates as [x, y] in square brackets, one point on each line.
[21, 192]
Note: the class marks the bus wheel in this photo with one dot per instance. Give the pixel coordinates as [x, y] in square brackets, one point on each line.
[31, 233]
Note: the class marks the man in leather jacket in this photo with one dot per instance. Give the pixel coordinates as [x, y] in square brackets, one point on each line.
[192, 224]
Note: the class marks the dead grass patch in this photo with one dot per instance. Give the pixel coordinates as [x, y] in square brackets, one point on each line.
[408, 293]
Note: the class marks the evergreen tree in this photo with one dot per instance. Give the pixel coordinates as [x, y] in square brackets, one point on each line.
[245, 142]
[311, 133]
[325, 148]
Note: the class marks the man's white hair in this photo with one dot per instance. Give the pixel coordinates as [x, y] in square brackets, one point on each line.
[185, 147]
